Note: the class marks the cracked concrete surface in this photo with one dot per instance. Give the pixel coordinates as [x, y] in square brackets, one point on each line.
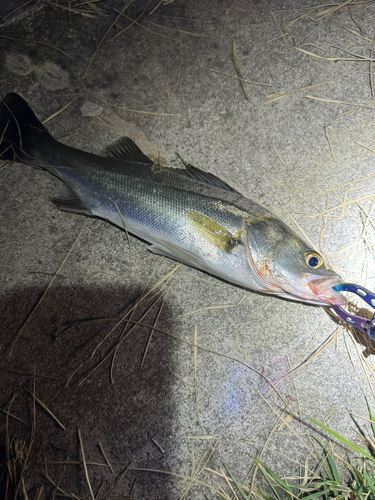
[66, 280]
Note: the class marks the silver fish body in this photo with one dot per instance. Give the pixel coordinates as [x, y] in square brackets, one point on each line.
[185, 214]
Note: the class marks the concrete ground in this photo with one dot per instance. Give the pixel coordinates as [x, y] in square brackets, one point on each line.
[168, 421]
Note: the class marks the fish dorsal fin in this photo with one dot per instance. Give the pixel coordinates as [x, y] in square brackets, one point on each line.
[213, 232]
[205, 177]
[127, 149]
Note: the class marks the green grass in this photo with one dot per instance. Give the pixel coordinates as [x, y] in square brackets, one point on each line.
[328, 484]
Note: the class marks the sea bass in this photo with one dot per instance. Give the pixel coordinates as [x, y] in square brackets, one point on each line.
[185, 214]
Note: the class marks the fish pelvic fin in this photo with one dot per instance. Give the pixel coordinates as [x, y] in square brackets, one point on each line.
[69, 201]
[17, 122]
[127, 149]
[212, 231]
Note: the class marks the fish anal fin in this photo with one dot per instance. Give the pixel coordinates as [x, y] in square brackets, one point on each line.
[213, 232]
[173, 252]
[69, 201]
[127, 149]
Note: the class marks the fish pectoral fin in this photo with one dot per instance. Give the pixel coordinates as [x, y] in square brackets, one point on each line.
[213, 232]
[69, 201]
[173, 252]
[127, 149]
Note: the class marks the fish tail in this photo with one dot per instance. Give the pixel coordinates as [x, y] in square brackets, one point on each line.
[18, 128]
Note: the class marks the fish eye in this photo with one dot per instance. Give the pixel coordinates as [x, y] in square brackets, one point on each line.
[313, 260]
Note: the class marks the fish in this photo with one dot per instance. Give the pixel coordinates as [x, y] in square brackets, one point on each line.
[185, 214]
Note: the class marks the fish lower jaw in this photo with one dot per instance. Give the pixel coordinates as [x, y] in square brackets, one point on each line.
[322, 290]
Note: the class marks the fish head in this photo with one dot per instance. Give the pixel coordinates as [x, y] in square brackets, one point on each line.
[287, 266]
[304, 274]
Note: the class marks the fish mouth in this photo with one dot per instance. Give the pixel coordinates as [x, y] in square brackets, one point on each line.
[323, 291]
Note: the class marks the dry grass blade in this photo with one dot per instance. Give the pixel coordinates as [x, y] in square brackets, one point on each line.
[201, 20]
[4, 164]
[24, 372]
[85, 465]
[301, 230]
[277, 37]
[220, 354]
[264, 447]
[343, 205]
[85, 13]
[44, 294]
[283, 35]
[158, 445]
[25, 458]
[119, 479]
[295, 434]
[282, 185]
[200, 467]
[239, 70]
[353, 32]
[360, 56]
[278, 154]
[38, 43]
[342, 185]
[333, 59]
[325, 179]
[162, 280]
[371, 81]
[156, 7]
[352, 18]
[57, 113]
[96, 269]
[367, 368]
[235, 77]
[75, 462]
[135, 21]
[174, 474]
[203, 437]
[14, 417]
[40, 495]
[330, 11]
[209, 308]
[10, 473]
[15, 10]
[322, 99]
[105, 36]
[276, 97]
[152, 331]
[191, 33]
[139, 111]
[317, 351]
[40, 403]
[228, 481]
[306, 14]
[59, 490]
[329, 122]
[114, 349]
[195, 374]
[366, 147]
[105, 457]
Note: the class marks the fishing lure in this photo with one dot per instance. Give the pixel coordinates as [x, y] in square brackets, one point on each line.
[366, 325]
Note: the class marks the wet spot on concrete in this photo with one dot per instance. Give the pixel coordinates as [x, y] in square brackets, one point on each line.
[19, 63]
[89, 108]
[53, 77]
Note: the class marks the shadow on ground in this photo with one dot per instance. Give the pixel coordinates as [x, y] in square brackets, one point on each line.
[88, 380]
